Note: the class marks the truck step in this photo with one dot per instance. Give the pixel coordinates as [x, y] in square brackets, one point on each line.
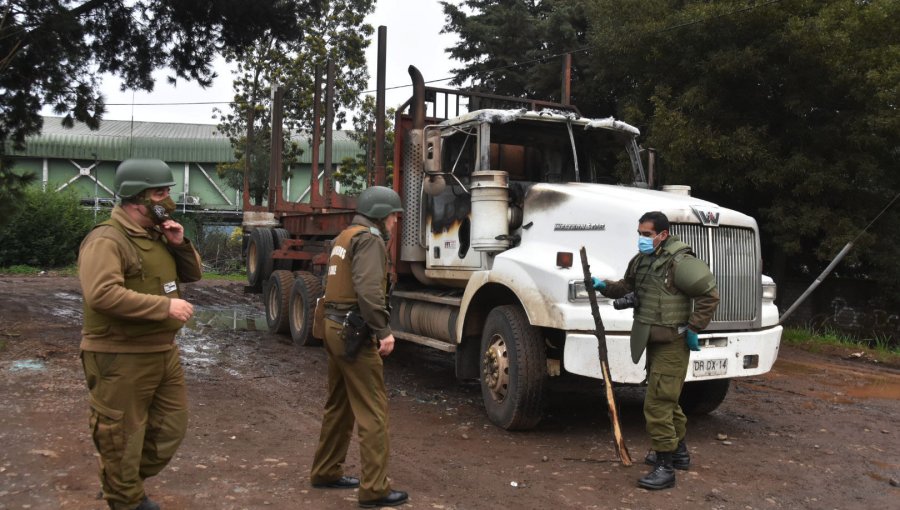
[434, 343]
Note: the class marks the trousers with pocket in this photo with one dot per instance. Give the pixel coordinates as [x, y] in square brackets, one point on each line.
[138, 418]
[667, 365]
[356, 395]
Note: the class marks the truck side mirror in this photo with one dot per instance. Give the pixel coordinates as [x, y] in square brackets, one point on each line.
[432, 151]
[434, 182]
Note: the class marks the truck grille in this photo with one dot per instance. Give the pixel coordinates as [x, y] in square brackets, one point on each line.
[732, 255]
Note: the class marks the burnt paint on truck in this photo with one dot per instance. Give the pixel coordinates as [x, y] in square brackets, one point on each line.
[537, 200]
[449, 208]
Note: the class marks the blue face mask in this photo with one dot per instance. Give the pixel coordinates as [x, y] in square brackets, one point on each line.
[645, 244]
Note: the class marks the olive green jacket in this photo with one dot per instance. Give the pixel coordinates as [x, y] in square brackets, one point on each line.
[105, 259]
[704, 305]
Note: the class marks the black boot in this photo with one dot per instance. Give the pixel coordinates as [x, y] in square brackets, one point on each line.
[663, 474]
[681, 457]
[147, 504]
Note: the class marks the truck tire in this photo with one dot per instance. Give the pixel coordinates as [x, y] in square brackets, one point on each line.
[279, 235]
[306, 289]
[703, 397]
[276, 296]
[259, 257]
[513, 369]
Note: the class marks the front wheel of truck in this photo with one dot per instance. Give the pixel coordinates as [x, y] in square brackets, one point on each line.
[703, 397]
[513, 369]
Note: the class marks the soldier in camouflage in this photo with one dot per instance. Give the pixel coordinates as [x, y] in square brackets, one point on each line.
[676, 299]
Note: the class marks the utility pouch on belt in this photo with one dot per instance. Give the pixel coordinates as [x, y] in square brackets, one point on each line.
[355, 333]
[318, 329]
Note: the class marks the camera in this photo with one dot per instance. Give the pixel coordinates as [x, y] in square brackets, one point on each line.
[629, 300]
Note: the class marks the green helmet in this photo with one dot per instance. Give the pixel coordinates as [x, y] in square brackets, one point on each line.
[378, 202]
[135, 175]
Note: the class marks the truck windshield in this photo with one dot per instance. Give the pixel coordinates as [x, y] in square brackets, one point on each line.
[533, 151]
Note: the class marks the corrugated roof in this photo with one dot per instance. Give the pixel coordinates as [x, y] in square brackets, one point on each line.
[117, 140]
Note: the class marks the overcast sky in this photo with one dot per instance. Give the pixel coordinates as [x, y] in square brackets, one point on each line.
[413, 37]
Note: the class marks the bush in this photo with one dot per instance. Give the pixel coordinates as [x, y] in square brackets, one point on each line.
[45, 229]
[221, 252]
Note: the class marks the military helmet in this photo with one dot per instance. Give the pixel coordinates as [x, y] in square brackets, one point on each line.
[378, 202]
[135, 175]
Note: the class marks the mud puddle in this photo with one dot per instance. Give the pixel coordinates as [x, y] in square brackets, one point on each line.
[846, 382]
[209, 340]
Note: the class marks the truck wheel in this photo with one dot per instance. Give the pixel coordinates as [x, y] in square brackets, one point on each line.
[703, 397]
[513, 369]
[307, 288]
[280, 234]
[259, 257]
[276, 296]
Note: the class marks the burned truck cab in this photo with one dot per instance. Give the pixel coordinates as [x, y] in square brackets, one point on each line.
[478, 169]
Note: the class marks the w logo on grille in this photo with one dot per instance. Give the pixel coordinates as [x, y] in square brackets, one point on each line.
[708, 216]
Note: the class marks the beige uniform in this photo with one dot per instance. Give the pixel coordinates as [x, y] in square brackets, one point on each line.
[357, 277]
[138, 397]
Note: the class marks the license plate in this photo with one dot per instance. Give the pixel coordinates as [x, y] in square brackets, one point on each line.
[710, 367]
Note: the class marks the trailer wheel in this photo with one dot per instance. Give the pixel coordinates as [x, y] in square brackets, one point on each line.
[513, 369]
[703, 397]
[280, 234]
[259, 257]
[306, 289]
[276, 296]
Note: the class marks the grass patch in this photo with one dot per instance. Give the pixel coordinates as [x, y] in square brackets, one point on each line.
[20, 270]
[232, 277]
[23, 270]
[830, 341]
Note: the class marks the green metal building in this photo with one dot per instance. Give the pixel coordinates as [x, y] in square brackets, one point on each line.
[85, 161]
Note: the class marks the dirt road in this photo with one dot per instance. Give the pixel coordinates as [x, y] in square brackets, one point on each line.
[816, 432]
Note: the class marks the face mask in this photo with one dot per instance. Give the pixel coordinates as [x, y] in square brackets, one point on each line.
[645, 244]
[159, 210]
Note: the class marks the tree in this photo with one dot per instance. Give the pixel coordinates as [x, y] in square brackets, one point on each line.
[337, 33]
[52, 52]
[355, 174]
[787, 111]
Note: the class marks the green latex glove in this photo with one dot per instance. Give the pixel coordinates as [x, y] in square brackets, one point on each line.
[598, 283]
[693, 341]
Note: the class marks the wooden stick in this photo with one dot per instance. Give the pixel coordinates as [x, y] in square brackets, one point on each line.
[600, 333]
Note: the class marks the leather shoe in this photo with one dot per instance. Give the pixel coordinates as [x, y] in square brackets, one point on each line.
[394, 498]
[344, 482]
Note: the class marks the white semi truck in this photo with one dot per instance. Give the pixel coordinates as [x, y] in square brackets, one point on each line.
[498, 202]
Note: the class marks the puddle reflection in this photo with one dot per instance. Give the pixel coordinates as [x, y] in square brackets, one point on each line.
[202, 348]
[233, 319]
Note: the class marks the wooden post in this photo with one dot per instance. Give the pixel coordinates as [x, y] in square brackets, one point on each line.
[600, 333]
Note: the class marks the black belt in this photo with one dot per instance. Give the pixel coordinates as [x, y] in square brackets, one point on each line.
[336, 318]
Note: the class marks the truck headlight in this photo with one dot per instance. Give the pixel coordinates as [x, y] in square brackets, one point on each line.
[769, 290]
[577, 291]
